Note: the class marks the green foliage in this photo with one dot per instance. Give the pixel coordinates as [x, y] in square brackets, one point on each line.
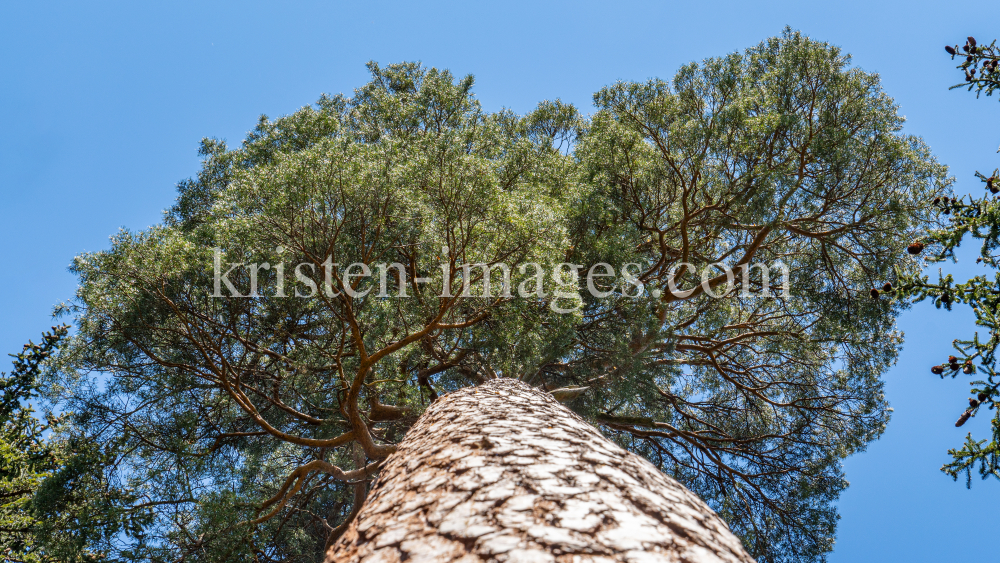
[246, 427]
[980, 219]
[45, 515]
[55, 505]
[782, 153]
[26, 457]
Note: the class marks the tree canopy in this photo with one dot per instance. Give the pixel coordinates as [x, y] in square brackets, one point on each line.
[245, 426]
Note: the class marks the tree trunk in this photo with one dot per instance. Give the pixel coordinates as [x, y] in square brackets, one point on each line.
[503, 472]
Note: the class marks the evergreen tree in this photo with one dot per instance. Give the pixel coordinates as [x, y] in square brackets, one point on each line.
[980, 218]
[26, 457]
[54, 505]
[250, 380]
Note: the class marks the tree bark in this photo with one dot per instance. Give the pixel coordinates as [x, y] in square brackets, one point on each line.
[503, 472]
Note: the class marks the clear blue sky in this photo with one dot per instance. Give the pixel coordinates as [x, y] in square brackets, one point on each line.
[106, 103]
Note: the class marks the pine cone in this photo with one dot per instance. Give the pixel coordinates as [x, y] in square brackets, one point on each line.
[963, 419]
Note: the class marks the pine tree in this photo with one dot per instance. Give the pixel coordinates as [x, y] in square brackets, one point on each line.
[254, 378]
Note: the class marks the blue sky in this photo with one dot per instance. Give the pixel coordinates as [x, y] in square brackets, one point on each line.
[105, 103]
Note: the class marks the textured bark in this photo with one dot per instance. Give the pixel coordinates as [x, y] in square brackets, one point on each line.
[503, 472]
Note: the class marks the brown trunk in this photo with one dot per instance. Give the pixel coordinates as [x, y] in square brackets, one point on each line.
[503, 472]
